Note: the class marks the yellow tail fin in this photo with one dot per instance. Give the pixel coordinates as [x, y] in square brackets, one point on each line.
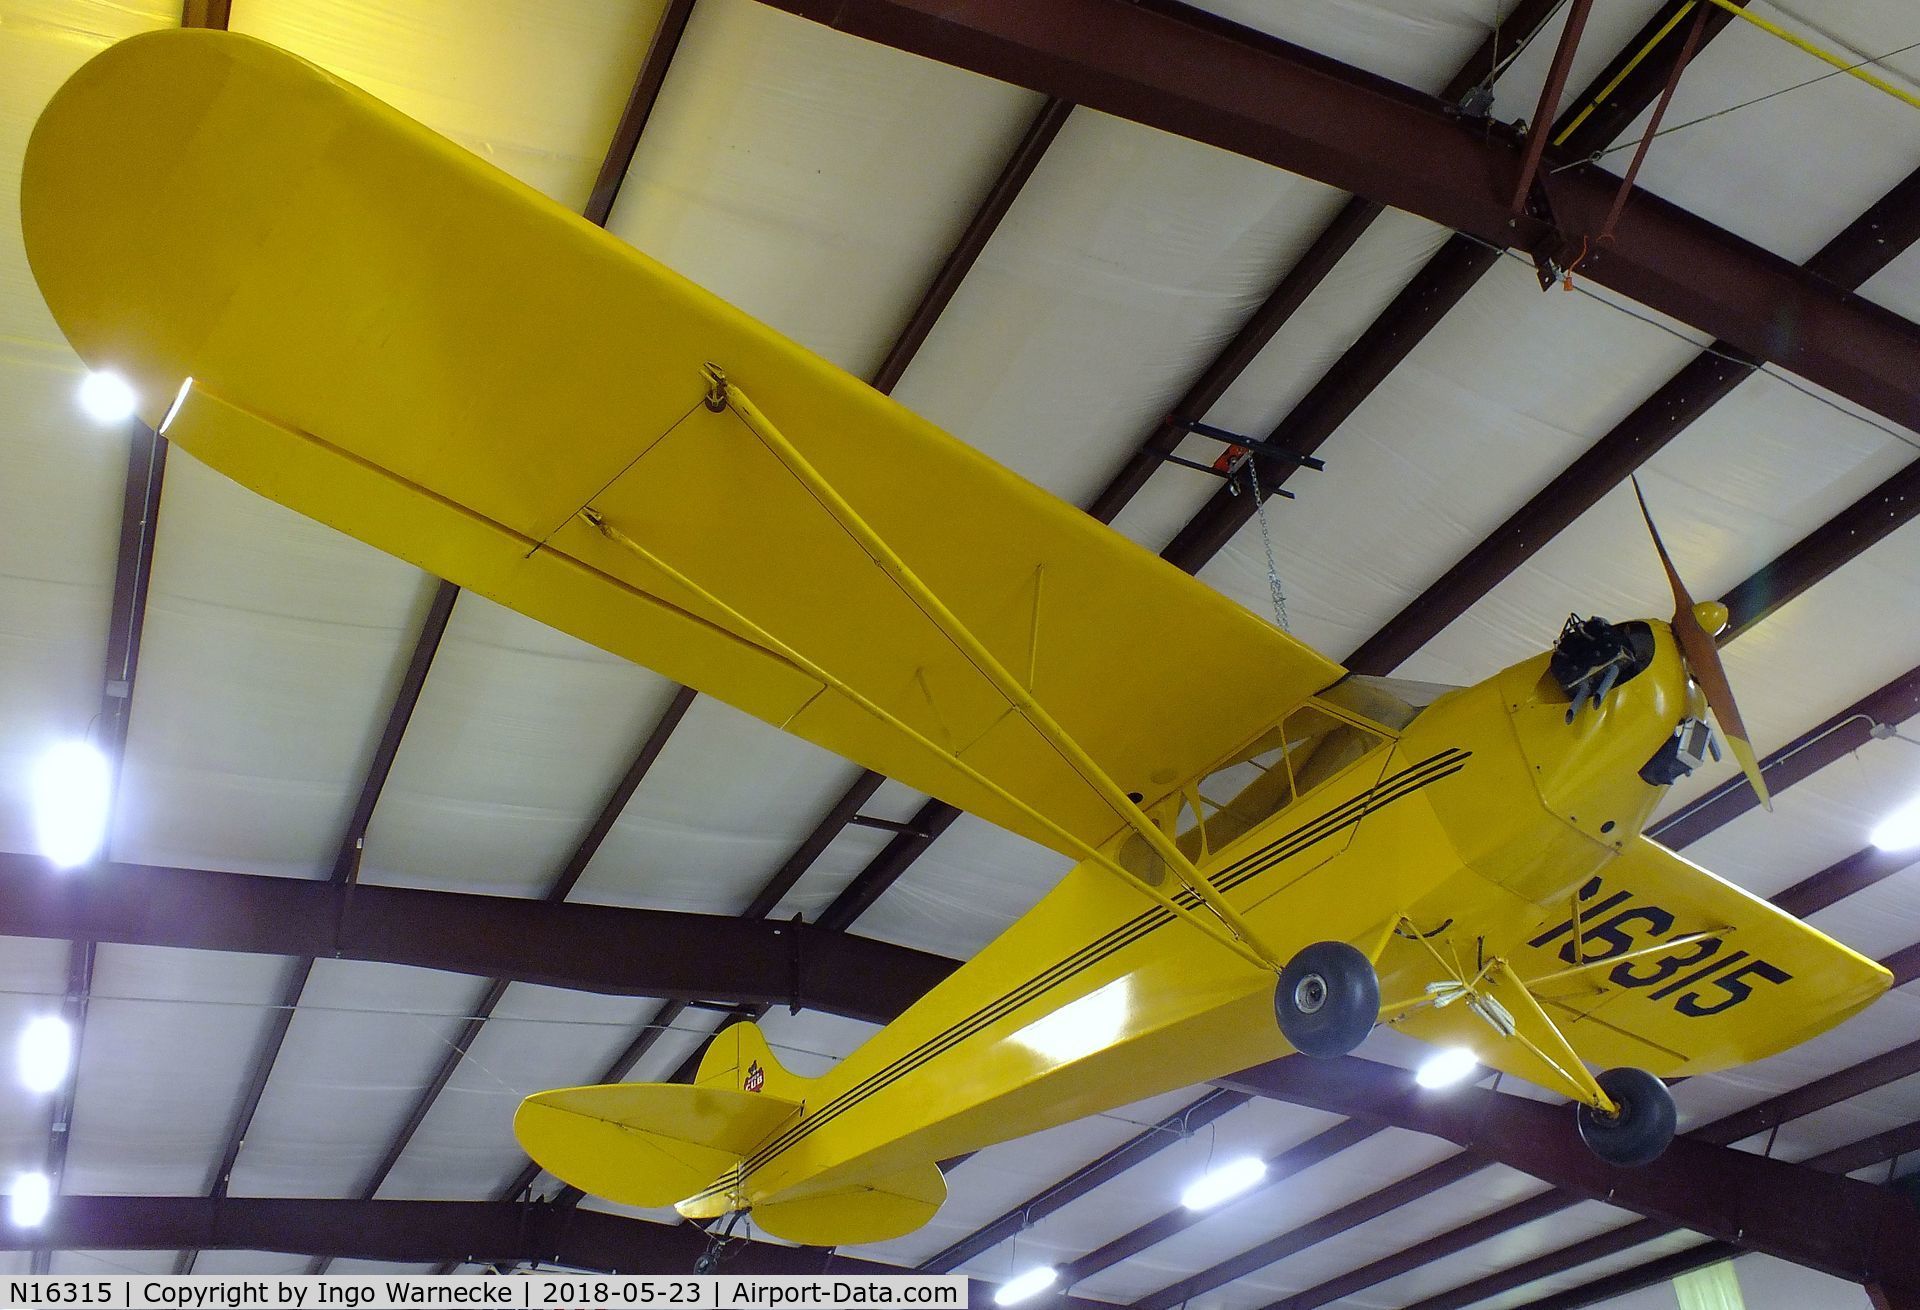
[739, 1060]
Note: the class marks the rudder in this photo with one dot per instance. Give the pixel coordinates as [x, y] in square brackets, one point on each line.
[739, 1060]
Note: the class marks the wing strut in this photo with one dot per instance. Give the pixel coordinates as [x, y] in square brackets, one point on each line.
[1239, 936]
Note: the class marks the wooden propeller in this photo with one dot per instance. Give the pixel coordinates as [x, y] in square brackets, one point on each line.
[1694, 627]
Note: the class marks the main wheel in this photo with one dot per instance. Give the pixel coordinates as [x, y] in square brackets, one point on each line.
[1328, 999]
[1642, 1128]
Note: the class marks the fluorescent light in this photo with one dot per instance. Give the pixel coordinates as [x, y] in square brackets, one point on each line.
[107, 398]
[1900, 830]
[29, 1200]
[1445, 1068]
[1027, 1285]
[71, 783]
[1224, 1183]
[46, 1052]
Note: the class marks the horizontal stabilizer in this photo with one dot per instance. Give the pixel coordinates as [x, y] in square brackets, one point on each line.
[870, 1212]
[645, 1144]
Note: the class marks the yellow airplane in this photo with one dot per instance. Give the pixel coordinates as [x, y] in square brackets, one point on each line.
[355, 317]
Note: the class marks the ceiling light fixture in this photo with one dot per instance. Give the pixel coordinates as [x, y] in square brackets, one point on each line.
[1026, 1286]
[1445, 1068]
[107, 398]
[29, 1200]
[1224, 1183]
[1900, 830]
[45, 1052]
[71, 785]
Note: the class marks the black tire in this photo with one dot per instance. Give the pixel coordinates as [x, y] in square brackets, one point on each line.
[1640, 1132]
[1328, 1000]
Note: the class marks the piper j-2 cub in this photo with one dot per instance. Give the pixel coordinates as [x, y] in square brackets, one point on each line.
[374, 327]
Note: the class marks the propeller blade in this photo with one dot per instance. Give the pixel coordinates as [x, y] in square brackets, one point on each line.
[1702, 655]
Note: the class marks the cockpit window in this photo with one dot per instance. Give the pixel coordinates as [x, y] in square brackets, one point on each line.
[1289, 762]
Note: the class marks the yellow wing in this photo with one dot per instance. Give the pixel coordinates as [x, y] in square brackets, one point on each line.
[1677, 972]
[394, 338]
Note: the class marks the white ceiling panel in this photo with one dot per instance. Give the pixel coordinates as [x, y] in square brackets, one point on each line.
[1129, 259]
[964, 889]
[520, 735]
[249, 1262]
[170, 1037]
[1315, 335]
[813, 179]
[362, 1044]
[1147, 1191]
[1516, 1245]
[538, 1038]
[1383, 1158]
[270, 657]
[532, 88]
[1816, 822]
[1835, 146]
[1457, 438]
[720, 811]
[1483, 1193]
[97, 1264]
[999, 1178]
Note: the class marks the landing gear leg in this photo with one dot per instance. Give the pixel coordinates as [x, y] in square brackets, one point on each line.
[721, 1244]
[1328, 999]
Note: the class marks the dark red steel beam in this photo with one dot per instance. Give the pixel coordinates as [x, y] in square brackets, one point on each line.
[885, 869]
[1865, 523]
[999, 199]
[73, 1009]
[1844, 1159]
[206, 13]
[1549, 102]
[599, 948]
[346, 863]
[409, 1232]
[661, 48]
[126, 618]
[1631, 81]
[1835, 1224]
[1841, 879]
[1262, 98]
[1171, 1130]
[1866, 245]
[1833, 739]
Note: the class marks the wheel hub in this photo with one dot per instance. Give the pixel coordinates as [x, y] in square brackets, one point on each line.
[1310, 993]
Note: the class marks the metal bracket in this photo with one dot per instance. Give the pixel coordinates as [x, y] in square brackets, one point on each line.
[1550, 252]
[716, 397]
[1278, 454]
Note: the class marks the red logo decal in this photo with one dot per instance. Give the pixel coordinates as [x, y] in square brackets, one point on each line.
[756, 1077]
